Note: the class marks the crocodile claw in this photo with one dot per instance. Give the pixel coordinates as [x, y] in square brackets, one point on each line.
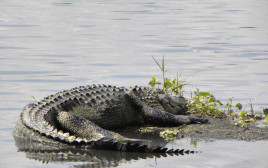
[196, 120]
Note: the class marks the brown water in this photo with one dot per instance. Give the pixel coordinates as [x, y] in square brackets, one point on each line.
[218, 46]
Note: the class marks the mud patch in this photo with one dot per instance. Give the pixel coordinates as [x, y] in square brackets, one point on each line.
[215, 129]
[223, 129]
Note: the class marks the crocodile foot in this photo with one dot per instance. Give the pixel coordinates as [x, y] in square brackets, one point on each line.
[196, 120]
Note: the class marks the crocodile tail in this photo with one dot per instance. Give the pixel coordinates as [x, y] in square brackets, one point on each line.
[131, 146]
[125, 145]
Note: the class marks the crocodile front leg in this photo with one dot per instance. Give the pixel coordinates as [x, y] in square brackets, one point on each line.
[161, 118]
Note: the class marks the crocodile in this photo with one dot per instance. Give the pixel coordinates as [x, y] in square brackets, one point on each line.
[87, 117]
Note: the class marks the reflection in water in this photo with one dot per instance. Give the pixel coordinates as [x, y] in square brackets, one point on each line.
[56, 152]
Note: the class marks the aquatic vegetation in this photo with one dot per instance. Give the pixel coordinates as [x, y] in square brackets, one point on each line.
[229, 107]
[265, 112]
[169, 85]
[36, 100]
[205, 103]
[251, 104]
[148, 129]
[244, 117]
[170, 134]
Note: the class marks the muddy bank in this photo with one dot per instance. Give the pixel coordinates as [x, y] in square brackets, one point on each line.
[223, 129]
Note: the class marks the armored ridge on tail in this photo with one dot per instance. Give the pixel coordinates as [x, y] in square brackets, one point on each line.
[84, 117]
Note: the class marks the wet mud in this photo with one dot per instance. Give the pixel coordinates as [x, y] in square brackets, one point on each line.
[215, 129]
[224, 129]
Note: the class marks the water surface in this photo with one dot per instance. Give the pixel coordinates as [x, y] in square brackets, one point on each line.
[218, 46]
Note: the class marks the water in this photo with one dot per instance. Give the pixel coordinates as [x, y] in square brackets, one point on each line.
[218, 46]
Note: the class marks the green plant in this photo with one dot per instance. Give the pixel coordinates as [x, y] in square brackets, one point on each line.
[149, 129]
[169, 85]
[169, 135]
[34, 98]
[153, 82]
[177, 85]
[244, 118]
[265, 112]
[229, 108]
[205, 103]
[251, 104]
[162, 68]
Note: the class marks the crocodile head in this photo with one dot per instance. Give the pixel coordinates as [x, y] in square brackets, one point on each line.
[172, 104]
